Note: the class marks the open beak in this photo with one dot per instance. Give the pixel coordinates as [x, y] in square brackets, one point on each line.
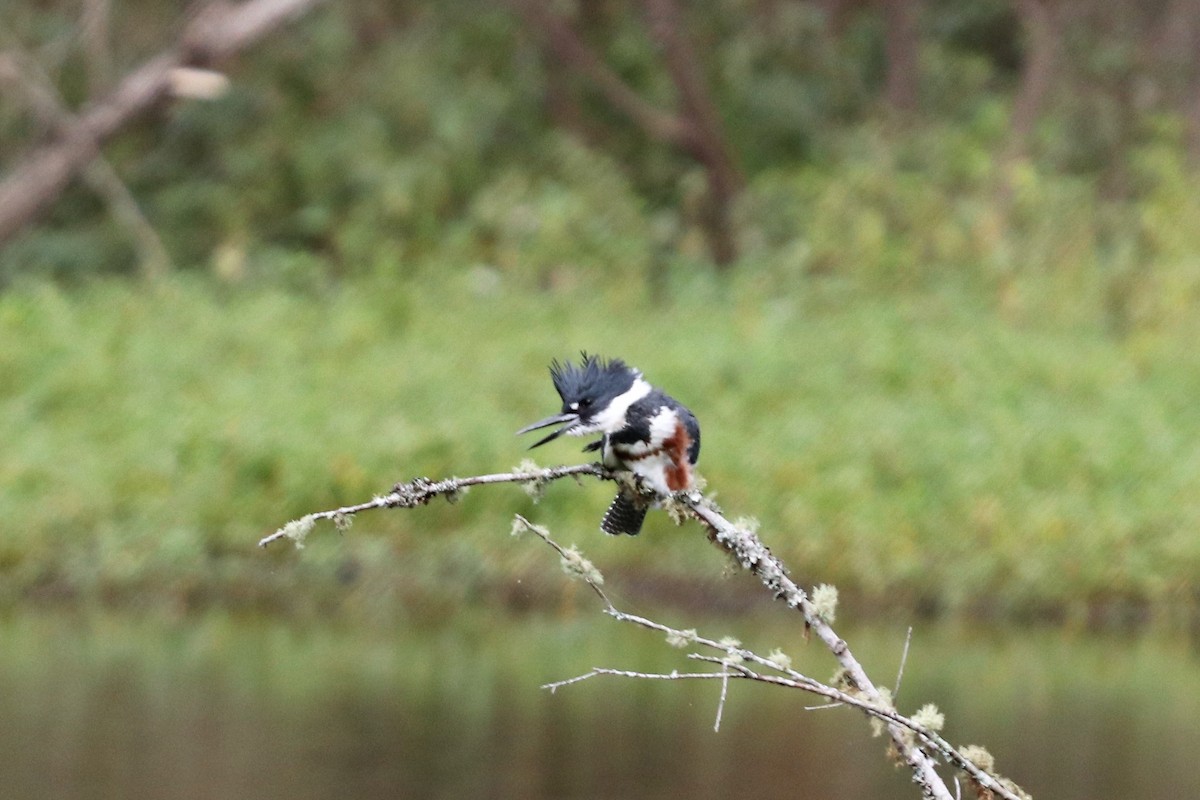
[571, 421]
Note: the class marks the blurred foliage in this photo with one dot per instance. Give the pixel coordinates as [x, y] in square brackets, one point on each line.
[381, 139]
[942, 377]
[913, 447]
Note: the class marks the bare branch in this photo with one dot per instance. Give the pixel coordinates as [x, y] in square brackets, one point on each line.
[419, 491]
[754, 556]
[28, 76]
[625, 673]
[218, 32]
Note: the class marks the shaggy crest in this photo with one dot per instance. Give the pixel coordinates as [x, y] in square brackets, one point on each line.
[586, 380]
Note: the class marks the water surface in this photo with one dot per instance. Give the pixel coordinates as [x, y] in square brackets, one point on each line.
[112, 706]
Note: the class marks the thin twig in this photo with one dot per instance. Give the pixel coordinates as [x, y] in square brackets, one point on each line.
[903, 661]
[625, 673]
[721, 703]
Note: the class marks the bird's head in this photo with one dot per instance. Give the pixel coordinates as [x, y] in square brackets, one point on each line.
[587, 391]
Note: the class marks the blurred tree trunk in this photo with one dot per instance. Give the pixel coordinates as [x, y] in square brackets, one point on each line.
[902, 44]
[838, 14]
[694, 128]
[562, 103]
[1174, 48]
[1042, 36]
[704, 136]
[1193, 124]
[1175, 39]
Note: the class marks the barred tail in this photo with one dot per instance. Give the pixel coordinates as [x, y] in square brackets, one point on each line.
[623, 516]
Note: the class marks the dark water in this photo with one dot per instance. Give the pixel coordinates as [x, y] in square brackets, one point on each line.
[114, 707]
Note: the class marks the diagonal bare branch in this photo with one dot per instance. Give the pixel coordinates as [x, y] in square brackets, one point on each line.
[28, 76]
[220, 31]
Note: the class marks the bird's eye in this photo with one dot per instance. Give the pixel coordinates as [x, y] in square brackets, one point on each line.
[585, 402]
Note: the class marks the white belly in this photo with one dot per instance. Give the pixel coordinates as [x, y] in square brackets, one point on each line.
[662, 462]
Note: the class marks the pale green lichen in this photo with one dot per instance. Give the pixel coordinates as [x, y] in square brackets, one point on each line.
[748, 525]
[676, 509]
[535, 485]
[979, 756]
[878, 725]
[733, 650]
[521, 525]
[984, 760]
[780, 659]
[928, 716]
[842, 681]
[575, 565]
[681, 639]
[298, 529]
[824, 602]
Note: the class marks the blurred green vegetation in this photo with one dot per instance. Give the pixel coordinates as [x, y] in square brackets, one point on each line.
[942, 379]
[913, 447]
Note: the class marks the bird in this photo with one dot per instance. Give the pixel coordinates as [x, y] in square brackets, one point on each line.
[642, 429]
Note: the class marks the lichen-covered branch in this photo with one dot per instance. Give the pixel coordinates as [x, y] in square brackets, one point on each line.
[749, 551]
[775, 668]
[913, 741]
[419, 491]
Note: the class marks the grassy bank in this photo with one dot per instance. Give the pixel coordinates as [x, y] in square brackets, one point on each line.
[919, 448]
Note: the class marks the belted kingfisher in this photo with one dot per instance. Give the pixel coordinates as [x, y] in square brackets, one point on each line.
[642, 429]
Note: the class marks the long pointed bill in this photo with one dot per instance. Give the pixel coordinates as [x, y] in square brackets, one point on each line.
[571, 421]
